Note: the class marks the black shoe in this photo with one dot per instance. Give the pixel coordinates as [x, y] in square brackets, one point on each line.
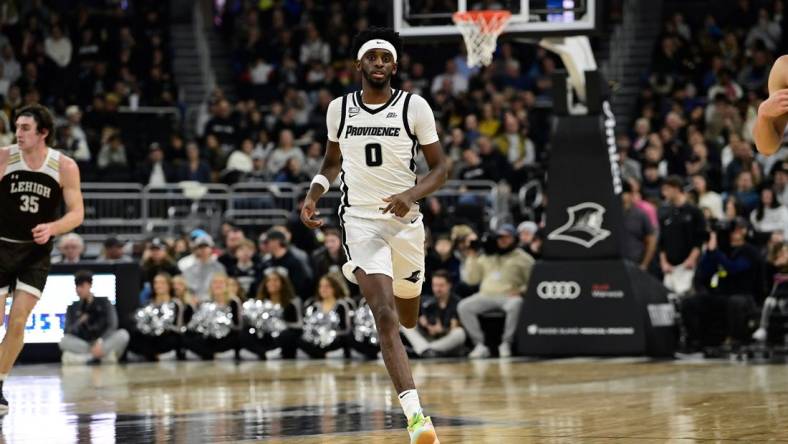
[3, 401]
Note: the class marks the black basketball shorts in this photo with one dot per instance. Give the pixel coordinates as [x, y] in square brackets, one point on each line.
[24, 266]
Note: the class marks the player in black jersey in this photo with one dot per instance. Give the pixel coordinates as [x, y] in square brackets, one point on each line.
[34, 180]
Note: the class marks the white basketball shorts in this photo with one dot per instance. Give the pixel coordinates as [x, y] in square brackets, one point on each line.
[394, 247]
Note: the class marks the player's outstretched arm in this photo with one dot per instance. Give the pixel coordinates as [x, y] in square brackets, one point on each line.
[330, 170]
[75, 209]
[400, 204]
[773, 112]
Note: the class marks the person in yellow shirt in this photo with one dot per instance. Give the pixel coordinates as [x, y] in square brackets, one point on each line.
[503, 277]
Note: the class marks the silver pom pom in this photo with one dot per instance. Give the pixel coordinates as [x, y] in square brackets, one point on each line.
[155, 319]
[320, 328]
[211, 320]
[364, 329]
[264, 317]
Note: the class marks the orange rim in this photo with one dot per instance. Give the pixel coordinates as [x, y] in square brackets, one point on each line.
[488, 21]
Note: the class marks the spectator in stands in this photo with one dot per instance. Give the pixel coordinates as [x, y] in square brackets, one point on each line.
[639, 240]
[292, 172]
[91, 327]
[493, 160]
[113, 252]
[281, 256]
[298, 245]
[286, 149]
[77, 142]
[503, 275]
[436, 216]
[156, 171]
[642, 130]
[276, 287]
[313, 159]
[198, 274]
[240, 161]
[729, 284]
[707, 199]
[781, 182]
[766, 31]
[682, 229]
[630, 168]
[738, 156]
[519, 150]
[457, 83]
[156, 259]
[744, 190]
[71, 246]
[223, 126]
[112, 160]
[332, 296]
[331, 256]
[439, 332]
[727, 86]
[769, 215]
[314, 49]
[194, 168]
[721, 116]
[441, 257]
[777, 280]
[243, 268]
[233, 237]
[472, 167]
[12, 70]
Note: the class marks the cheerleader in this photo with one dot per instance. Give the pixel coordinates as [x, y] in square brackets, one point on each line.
[327, 318]
[364, 339]
[215, 326]
[181, 291]
[281, 327]
[159, 324]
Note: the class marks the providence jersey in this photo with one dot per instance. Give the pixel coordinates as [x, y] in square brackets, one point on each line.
[379, 145]
[28, 197]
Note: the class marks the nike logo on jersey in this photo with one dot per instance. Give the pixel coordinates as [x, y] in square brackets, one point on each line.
[413, 221]
[414, 277]
[352, 111]
[371, 131]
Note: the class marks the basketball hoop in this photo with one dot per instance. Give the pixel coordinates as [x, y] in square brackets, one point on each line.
[480, 30]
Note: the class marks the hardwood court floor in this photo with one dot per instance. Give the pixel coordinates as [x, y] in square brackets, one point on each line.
[501, 402]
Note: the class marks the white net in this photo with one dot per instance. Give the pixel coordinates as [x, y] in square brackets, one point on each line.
[480, 30]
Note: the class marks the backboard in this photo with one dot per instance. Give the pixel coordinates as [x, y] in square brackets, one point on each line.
[429, 19]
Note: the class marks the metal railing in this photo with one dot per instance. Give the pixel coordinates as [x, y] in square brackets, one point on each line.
[135, 212]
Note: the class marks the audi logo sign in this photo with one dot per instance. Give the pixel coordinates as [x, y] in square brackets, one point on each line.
[558, 290]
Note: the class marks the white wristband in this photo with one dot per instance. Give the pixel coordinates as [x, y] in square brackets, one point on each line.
[322, 181]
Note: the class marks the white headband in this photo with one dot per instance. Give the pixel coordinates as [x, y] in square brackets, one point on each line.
[377, 44]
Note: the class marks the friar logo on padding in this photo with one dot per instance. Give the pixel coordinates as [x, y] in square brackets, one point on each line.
[584, 226]
[414, 277]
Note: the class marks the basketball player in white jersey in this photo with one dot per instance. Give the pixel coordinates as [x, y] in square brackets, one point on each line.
[373, 137]
[34, 179]
[773, 112]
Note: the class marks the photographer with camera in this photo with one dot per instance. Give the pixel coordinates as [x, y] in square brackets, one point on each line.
[503, 271]
[728, 283]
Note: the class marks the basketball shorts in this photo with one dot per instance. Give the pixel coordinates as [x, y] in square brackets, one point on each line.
[394, 247]
[24, 266]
